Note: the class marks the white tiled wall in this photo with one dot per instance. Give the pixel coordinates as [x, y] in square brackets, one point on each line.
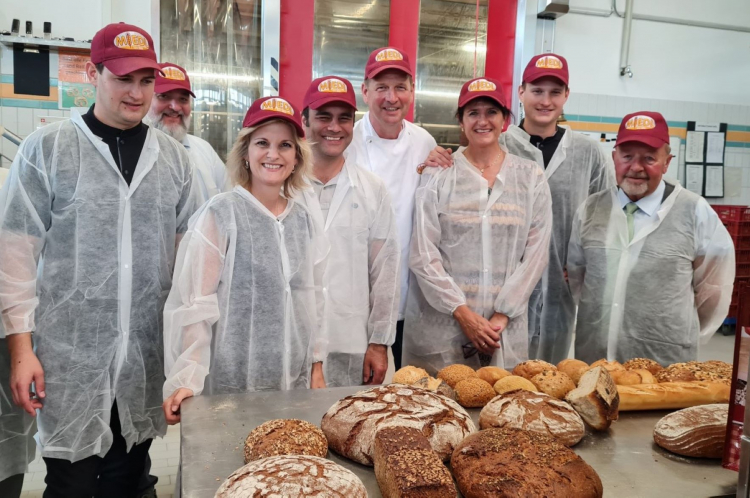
[21, 121]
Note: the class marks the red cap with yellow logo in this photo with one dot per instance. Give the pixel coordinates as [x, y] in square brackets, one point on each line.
[175, 78]
[647, 127]
[481, 87]
[387, 58]
[546, 65]
[268, 108]
[329, 89]
[123, 49]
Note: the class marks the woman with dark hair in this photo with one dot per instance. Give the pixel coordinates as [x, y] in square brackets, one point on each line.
[479, 246]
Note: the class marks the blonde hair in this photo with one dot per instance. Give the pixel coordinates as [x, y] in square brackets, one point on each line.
[240, 175]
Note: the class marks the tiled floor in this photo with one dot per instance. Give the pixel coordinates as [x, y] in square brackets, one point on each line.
[165, 453]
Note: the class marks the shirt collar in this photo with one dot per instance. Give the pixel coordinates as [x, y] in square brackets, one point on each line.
[649, 204]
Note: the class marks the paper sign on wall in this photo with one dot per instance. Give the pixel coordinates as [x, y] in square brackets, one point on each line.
[74, 89]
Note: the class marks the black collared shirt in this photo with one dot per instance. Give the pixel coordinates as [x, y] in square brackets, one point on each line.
[125, 145]
[548, 145]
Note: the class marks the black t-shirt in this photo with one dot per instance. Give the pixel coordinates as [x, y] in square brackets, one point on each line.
[125, 145]
[548, 145]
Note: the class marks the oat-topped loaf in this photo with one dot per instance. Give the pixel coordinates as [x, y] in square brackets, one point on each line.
[285, 437]
[643, 363]
[708, 371]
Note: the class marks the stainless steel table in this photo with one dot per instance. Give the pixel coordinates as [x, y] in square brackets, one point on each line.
[214, 429]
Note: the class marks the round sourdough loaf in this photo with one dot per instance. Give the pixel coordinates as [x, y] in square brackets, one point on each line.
[695, 432]
[510, 463]
[292, 475]
[351, 423]
[285, 437]
[537, 412]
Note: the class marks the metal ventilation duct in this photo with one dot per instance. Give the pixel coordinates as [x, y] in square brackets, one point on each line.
[552, 9]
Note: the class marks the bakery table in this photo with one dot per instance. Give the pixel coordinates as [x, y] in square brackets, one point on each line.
[214, 429]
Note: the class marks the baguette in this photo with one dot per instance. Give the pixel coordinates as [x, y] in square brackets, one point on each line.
[671, 395]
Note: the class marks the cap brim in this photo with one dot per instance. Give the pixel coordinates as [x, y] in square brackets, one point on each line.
[277, 115]
[651, 141]
[127, 65]
[548, 74]
[317, 104]
[380, 69]
[478, 95]
[168, 87]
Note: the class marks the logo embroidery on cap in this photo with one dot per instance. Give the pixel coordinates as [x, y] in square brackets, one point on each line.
[277, 105]
[549, 62]
[131, 40]
[389, 54]
[332, 85]
[172, 73]
[482, 86]
[640, 122]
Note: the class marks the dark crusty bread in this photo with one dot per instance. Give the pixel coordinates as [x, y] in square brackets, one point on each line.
[530, 368]
[643, 363]
[596, 398]
[406, 466]
[292, 475]
[474, 392]
[510, 463]
[537, 412]
[285, 437]
[351, 423]
[698, 431]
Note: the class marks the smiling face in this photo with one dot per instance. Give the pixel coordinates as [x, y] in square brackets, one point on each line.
[389, 96]
[272, 154]
[482, 122]
[639, 168]
[121, 101]
[330, 129]
[170, 113]
[543, 100]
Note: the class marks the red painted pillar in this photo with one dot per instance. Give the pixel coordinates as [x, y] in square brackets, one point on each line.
[296, 49]
[501, 43]
[404, 33]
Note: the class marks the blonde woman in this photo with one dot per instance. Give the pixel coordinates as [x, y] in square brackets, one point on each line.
[245, 306]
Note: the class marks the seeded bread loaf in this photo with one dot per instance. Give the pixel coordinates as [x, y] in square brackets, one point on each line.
[474, 392]
[453, 374]
[530, 368]
[698, 431]
[285, 437]
[573, 368]
[709, 371]
[643, 363]
[596, 398]
[554, 383]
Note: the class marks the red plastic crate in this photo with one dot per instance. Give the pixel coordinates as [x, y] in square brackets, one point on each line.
[743, 270]
[741, 243]
[735, 227]
[742, 256]
[732, 213]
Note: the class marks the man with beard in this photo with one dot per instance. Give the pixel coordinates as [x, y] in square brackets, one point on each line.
[170, 112]
[650, 264]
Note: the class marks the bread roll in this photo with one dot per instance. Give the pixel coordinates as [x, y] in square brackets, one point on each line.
[671, 395]
[698, 431]
[292, 475]
[596, 399]
[474, 393]
[633, 377]
[351, 423]
[611, 366]
[573, 368]
[643, 363]
[408, 375]
[453, 374]
[437, 386]
[554, 383]
[513, 382]
[285, 437]
[537, 412]
[406, 466]
[492, 374]
[530, 368]
[498, 463]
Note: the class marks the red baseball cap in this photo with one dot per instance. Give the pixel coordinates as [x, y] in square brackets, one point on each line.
[387, 58]
[268, 108]
[649, 128]
[481, 87]
[123, 49]
[329, 89]
[546, 65]
[174, 78]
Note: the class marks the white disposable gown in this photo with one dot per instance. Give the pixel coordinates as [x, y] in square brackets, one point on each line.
[656, 296]
[210, 175]
[246, 304]
[578, 168]
[486, 250]
[362, 275]
[86, 264]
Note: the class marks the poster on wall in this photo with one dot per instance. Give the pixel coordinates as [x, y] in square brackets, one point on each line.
[73, 87]
[704, 158]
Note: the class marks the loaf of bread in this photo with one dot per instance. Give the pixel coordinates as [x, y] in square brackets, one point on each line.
[633, 377]
[513, 382]
[406, 466]
[437, 386]
[675, 373]
[537, 412]
[492, 374]
[643, 363]
[671, 395]
[285, 437]
[474, 393]
[709, 371]
[610, 366]
[453, 374]
[510, 463]
[698, 431]
[292, 475]
[554, 383]
[573, 368]
[596, 399]
[408, 375]
[530, 368]
[351, 423]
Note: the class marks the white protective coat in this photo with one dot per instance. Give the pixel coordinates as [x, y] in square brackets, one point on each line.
[483, 250]
[362, 275]
[210, 175]
[656, 296]
[246, 304]
[578, 168]
[86, 263]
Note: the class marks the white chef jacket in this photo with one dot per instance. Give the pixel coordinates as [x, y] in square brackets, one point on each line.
[210, 175]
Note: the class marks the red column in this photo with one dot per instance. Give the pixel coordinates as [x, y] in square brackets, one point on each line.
[501, 43]
[404, 33]
[296, 49]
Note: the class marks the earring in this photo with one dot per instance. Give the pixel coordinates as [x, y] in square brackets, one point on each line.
[247, 164]
[462, 129]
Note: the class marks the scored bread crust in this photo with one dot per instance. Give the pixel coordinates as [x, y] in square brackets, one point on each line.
[351, 423]
[698, 431]
[285, 437]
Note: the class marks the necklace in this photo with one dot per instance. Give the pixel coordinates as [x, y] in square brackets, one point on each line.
[481, 170]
